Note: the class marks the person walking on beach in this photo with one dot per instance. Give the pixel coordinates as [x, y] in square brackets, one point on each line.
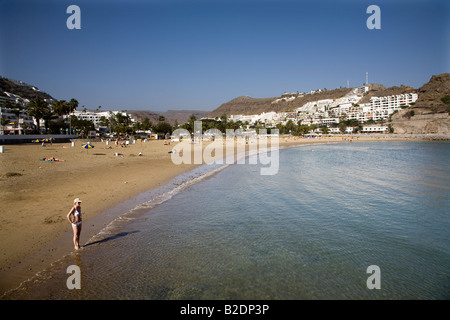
[74, 217]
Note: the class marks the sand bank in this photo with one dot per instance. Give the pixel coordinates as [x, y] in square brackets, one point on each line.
[36, 195]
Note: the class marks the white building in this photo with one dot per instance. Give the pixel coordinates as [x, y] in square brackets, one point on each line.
[329, 111]
[267, 117]
[14, 124]
[394, 102]
[96, 116]
[316, 106]
[375, 129]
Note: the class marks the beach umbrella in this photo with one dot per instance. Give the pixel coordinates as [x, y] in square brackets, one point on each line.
[87, 146]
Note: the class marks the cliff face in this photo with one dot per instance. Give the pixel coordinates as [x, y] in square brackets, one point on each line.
[431, 93]
[424, 123]
[430, 113]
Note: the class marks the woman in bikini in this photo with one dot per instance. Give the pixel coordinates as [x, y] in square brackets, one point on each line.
[74, 217]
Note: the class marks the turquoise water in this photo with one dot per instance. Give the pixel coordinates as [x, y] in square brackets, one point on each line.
[308, 232]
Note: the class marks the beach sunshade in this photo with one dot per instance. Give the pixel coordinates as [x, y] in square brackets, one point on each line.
[87, 146]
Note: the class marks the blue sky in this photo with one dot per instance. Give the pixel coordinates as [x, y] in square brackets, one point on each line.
[197, 54]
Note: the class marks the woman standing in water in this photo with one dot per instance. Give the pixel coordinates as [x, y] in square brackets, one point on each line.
[74, 217]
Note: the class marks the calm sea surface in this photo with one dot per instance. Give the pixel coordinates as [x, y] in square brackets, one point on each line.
[308, 232]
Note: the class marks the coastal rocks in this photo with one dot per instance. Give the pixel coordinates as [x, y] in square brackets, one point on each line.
[421, 124]
[430, 114]
[431, 94]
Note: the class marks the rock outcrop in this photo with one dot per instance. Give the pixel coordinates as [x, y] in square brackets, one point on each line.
[430, 114]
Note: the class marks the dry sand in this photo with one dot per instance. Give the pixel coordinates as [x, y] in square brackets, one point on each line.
[35, 196]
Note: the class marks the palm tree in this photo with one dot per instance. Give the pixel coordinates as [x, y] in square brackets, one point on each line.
[72, 105]
[47, 116]
[60, 107]
[3, 123]
[38, 109]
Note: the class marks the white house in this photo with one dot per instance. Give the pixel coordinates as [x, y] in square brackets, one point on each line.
[375, 129]
[96, 116]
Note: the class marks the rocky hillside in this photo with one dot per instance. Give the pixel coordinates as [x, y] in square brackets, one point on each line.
[431, 95]
[285, 103]
[244, 105]
[21, 89]
[430, 114]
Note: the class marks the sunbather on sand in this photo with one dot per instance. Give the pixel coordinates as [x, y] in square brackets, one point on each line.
[51, 159]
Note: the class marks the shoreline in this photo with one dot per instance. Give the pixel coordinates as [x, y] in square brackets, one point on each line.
[114, 185]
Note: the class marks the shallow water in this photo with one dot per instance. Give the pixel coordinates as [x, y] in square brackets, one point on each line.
[308, 232]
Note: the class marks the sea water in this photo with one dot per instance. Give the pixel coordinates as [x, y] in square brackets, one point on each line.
[309, 232]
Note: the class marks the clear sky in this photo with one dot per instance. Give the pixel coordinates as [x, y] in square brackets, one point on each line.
[197, 54]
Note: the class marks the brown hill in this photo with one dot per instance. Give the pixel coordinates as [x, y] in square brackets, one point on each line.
[431, 93]
[249, 106]
[429, 114]
[378, 90]
[244, 105]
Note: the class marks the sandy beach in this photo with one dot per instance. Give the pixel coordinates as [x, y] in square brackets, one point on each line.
[36, 195]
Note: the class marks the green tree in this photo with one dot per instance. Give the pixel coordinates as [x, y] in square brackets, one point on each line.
[446, 100]
[324, 129]
[103, 121]
[303, 129]
[162, 127]
[189, 126]
[120, 123]
[72, 105]
[3, 122]
[289, 126]
[38, 109]
[147, 124]
[81, 125]
[59, 107]
[342, 126]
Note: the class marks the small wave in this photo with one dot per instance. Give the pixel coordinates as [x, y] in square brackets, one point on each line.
[157, 200]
